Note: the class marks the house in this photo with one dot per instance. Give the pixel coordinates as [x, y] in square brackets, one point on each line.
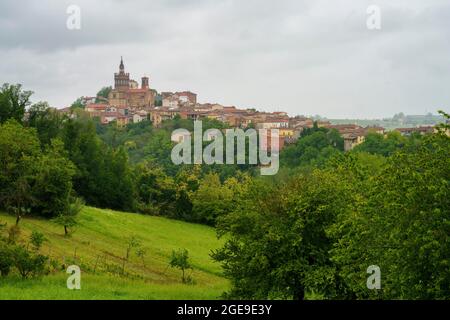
[352, 139]
[171, 101]
[107, 117]
[140, 116]
[96, 107]
[158, 115]
[187, 97]
[273, 124]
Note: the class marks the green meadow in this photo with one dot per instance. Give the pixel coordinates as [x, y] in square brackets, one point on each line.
[99, 244]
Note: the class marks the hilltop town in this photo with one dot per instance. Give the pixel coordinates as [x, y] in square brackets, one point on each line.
[128, 103]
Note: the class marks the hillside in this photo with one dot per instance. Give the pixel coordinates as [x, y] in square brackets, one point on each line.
[98, 246]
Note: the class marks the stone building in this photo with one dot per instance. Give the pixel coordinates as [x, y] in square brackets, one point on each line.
[126, 93]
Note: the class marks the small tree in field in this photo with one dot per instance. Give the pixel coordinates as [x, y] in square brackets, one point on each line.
[141, 252]
[68, 219]
[180, 260]
[36, 240]
[133, 242]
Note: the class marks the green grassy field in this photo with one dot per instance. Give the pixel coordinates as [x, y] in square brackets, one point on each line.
[98, 246]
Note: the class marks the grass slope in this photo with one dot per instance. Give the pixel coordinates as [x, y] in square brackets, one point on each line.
[98, 246]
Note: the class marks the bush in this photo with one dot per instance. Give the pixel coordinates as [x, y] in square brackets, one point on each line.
[13, 234]
[28, 264]
[36, 240]
[6, 260]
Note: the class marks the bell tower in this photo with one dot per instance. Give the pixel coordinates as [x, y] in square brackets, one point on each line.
[144, 84]
[121, 79]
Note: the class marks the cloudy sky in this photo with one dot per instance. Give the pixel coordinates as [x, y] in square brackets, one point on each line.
[301, 56]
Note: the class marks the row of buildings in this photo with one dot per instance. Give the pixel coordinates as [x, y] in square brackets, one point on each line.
[129, 103]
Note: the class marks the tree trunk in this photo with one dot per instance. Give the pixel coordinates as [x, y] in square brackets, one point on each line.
[66, 232]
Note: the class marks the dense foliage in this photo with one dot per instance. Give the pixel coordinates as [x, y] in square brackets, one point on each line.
[318, 232]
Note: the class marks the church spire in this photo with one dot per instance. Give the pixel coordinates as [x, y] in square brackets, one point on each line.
[121, 67]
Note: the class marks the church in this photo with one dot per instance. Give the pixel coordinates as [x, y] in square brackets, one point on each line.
[127, 94]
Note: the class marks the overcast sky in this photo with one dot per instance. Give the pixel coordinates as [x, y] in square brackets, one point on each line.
[303, 57]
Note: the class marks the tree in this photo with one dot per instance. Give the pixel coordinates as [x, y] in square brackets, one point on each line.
[47, 121]
[141, 252]
[213, 199]
[103, 177]
[400, 223]
[158, 150]
[77, 104]
[180, 260]
[376, 143]
[36, 240]
[19, 149]
[116, 184]
[68, 218]
[133, 242]
[312, 149]
[103, 94]
[156, 192]
[28, 264]
[52, 181]
[85, 150]
[277, 244]
[13, 101]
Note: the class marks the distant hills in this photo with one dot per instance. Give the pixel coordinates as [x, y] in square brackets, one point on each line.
[399, 120]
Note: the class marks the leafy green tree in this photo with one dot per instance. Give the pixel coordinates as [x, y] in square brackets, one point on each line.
[133, 243]
[68, 218]
[400, 223]
[47, 121]
[13, 102]
[77, 104]
[116, 181]
[141, 253]
[19, 148]
[159, 149]
[156, 192]
[103, 93]
[180, 260]
[187, 181]
[213, 199]
[36, 240]
[85, 150]
[52, 181]
[277, 244]
[28, 264]
[312, 149]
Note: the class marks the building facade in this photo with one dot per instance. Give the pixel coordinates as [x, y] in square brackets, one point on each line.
[127, 94]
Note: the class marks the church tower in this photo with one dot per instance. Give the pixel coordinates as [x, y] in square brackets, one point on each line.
[121, 79]
[144, 83]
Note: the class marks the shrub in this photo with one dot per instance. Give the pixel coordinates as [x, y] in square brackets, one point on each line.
[6, 260]
[36, 240]
[28, 264]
